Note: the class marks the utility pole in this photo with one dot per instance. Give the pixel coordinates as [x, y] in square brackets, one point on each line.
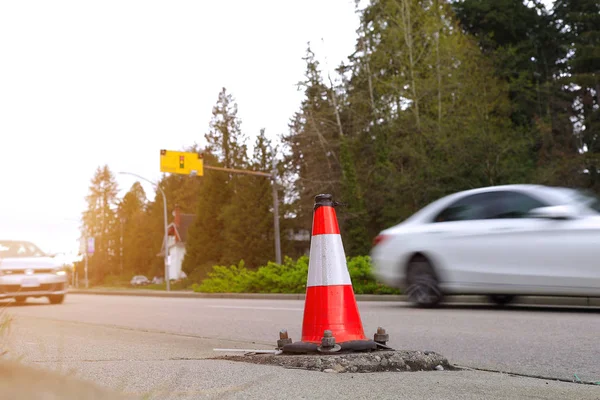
[166, 223]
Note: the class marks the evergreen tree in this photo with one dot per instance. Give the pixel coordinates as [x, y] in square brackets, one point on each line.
[579, 20]
[249, 229]
[225, 138]
[312, 161]
[99, 222]
[432, 119]
[527, 48]
[524, 44]
[207, 242]
[134, 233]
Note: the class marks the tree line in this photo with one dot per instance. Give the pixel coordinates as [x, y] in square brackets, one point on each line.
[437, 97]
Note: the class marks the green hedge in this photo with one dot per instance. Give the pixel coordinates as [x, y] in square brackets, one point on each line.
[290, 277]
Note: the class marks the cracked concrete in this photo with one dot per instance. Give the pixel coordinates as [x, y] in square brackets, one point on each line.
[377, 361]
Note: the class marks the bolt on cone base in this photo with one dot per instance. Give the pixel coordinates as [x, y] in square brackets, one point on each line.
[333, 349]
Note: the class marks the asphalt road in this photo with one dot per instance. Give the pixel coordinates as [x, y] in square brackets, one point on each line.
[160, 345]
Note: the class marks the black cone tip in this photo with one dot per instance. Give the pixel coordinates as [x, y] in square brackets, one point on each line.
[324, 200]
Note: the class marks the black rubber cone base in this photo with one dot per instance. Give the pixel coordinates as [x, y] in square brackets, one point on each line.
[354, 345]
[300, 348]
[359, 345]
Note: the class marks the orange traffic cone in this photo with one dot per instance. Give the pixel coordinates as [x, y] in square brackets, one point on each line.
[330, 304]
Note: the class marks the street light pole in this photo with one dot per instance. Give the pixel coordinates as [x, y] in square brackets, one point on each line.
[276, 214]
[165, 240]
[121, 252]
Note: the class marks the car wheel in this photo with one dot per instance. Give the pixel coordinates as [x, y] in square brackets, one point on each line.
[423, 285]
[501, 299]
[56, 298]
[20, 299]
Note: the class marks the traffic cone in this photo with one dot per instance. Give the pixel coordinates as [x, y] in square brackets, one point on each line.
[330, 304]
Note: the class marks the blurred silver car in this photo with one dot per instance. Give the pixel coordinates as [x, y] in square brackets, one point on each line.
[26, 271]
[498, 241]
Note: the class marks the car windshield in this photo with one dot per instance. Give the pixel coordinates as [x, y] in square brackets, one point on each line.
[17, 249]
[582, 197]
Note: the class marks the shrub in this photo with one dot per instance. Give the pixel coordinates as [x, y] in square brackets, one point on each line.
[289, 277]
[232, 279]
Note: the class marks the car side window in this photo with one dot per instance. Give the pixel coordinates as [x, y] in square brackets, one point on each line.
[468, 208]
[509, 204]
[490, 205]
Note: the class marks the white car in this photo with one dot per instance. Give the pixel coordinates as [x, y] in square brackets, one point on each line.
[26, 271]
[500, 241]
[139, 280]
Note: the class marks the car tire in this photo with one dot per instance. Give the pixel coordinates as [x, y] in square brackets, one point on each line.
[501, 299]
[423, 286]
[21, 299]
[56, 298]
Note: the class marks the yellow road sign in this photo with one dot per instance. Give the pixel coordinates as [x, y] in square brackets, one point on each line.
[179, 162]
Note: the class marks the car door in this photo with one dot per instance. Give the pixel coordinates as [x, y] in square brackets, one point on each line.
[456, 241]
[511, 250]
[539, 255]
[501, 247]
[483, 239]
[560, 256]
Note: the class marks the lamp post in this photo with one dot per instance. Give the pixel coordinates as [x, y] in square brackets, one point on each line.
[123, 220]
[165, 241]
[276, 213]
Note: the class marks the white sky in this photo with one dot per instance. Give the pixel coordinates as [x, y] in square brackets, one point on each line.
[86, 83]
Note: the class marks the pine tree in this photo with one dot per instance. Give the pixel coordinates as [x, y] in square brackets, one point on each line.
[523, 43]
[249, 229]
[527, 47]
[225, 138]
[579, 20]
[99, 222]
[207, 243]
[312, 161]
[135, 257]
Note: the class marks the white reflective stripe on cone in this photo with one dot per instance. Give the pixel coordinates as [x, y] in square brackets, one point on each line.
[327, 263]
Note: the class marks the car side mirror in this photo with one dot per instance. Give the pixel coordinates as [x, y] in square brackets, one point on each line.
[554, 212]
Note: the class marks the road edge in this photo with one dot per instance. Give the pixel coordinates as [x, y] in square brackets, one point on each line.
[525, 300]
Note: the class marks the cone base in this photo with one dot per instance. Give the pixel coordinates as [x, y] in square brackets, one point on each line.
[334, 308]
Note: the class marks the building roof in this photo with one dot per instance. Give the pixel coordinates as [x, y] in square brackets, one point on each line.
[186, 222]
[181, 232]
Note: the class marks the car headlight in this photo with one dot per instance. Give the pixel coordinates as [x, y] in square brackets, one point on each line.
[59, 271]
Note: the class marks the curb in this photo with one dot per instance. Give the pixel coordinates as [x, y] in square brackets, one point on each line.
[525, 300]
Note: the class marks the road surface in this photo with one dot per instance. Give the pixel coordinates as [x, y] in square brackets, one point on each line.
[160, 345]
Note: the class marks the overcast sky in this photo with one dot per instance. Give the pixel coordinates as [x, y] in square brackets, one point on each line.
[86, 83]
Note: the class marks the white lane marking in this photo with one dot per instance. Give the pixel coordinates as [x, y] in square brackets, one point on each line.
[258, 308]
[327, 263]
